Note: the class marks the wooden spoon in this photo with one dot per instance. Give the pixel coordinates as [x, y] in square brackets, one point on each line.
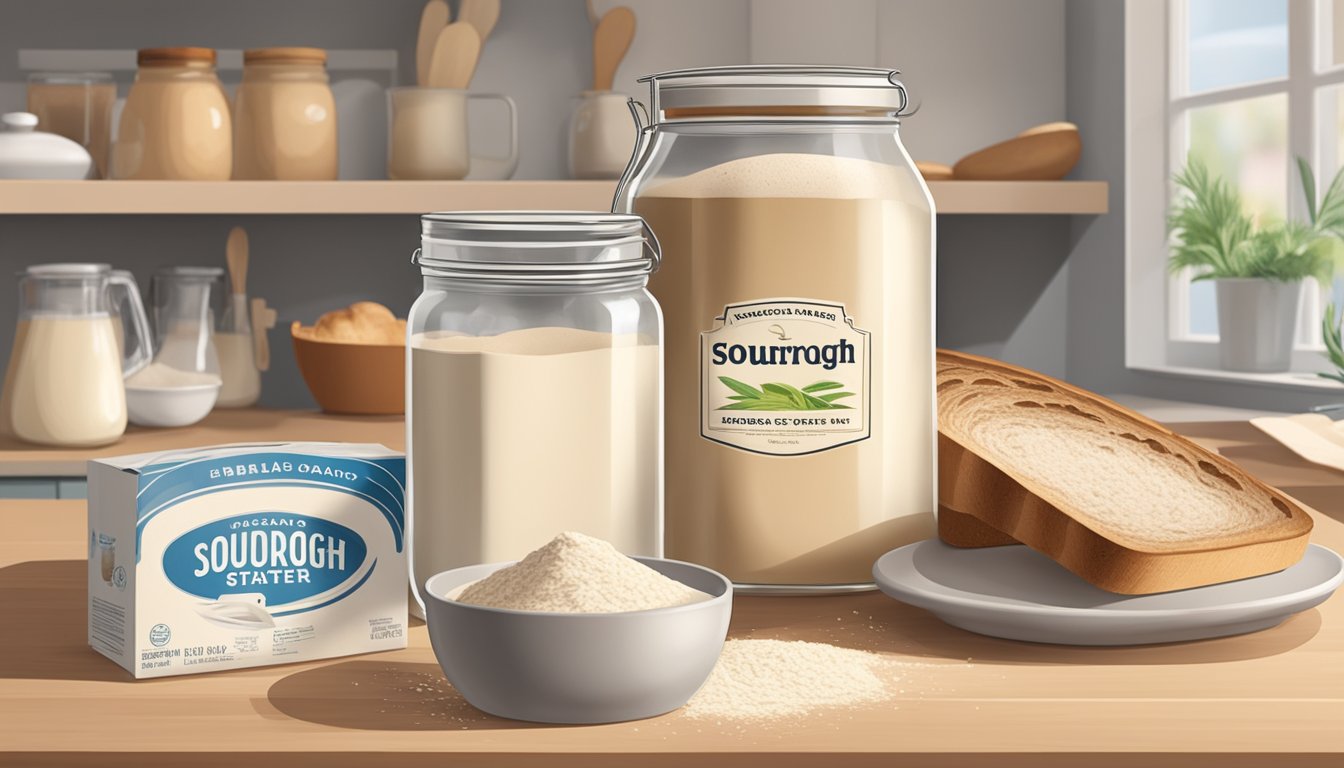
[456, 52]
[235, 255]
[433, 19]
[611, 40]
[481, 14]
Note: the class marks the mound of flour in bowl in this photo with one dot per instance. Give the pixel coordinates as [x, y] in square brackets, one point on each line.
[575, 573]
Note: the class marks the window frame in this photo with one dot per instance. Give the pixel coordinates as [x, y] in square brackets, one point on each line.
[1156, 109]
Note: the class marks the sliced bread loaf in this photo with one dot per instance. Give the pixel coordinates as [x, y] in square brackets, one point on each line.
[1114, 497]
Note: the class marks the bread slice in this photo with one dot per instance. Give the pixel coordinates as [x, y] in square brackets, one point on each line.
[1114, 497]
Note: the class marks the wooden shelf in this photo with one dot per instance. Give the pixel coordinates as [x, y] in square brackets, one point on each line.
[415, 197]
[234, 425]
[1267, 698]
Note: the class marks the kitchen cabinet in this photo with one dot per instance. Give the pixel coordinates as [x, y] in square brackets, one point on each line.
[1268, 698]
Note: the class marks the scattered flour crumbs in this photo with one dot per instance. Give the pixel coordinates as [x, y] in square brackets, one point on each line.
[755, 679]
[575, 573]
[767, 679]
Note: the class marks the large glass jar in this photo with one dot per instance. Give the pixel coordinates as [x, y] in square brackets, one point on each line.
[534, 380]
[797, 287]
[176, 122]
[284, 122]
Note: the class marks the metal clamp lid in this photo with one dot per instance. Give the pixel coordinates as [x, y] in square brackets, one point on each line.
[779, 85]
[536, 246]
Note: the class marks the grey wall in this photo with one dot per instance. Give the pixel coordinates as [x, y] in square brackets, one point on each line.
[984, 69]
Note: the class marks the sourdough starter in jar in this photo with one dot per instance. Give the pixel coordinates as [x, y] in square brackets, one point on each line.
[797, 289]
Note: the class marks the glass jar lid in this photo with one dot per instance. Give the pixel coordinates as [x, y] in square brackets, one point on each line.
[780, 90]
[532, 247]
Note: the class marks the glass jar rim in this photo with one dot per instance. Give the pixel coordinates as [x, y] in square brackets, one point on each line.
[68, 269]
[69, 78]
[524, 239]
[203, 273]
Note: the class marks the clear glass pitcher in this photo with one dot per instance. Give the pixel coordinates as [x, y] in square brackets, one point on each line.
[186, 301]
[64, 381]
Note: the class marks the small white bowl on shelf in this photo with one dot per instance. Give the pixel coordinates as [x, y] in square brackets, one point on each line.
[170, 406]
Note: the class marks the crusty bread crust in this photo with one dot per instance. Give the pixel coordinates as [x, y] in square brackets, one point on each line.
[984, 502]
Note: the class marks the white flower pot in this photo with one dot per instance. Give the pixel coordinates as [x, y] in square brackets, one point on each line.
[1257, 321]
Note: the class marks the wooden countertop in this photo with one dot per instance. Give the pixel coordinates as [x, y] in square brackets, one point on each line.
[235, 425]
[1270, 698]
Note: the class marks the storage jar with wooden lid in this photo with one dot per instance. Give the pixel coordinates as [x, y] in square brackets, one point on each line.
[285, 116]
[176, 123]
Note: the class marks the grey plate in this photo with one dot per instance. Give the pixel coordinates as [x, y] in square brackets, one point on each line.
[1020, 594]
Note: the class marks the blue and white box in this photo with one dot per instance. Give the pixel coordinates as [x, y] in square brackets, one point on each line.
[246, 555]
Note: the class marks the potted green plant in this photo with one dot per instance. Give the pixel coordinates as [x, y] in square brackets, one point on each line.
[1258, 271]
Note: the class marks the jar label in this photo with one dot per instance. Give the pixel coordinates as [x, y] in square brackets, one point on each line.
[785, 377]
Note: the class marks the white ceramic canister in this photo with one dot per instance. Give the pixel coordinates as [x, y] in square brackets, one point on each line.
[27, 153]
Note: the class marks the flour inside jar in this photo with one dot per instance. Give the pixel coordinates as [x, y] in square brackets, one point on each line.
[521, 435]
[797, 294]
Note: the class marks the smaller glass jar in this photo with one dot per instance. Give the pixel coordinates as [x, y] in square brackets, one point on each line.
[534, 382]
[78, 106]
[176, 123]
[284, 122]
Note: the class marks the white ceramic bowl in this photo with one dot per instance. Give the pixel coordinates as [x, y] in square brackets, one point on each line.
[170, 406]
[578, 667]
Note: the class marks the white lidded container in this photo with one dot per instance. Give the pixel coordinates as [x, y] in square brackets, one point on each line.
[797, 288]
[27, 153]
[534, 378]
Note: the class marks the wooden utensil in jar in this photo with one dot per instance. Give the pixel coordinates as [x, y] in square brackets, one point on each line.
[481, 14]
[611, 40]
[456, 52]
[236, 257]
[433, 19]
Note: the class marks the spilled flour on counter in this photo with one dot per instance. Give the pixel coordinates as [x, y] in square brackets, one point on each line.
[575, 573]
[768, 679]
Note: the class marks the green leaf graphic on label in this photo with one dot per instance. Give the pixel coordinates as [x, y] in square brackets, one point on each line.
[776, 396]
[740, 388]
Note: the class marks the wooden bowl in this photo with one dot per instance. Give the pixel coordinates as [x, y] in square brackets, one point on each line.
[932, 171]
[365, 379]
[1044, 153]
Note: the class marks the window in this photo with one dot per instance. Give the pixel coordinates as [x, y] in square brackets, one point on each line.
[1245, 86]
